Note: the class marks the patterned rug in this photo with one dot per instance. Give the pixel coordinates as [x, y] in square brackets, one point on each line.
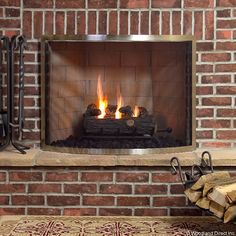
[113, 226]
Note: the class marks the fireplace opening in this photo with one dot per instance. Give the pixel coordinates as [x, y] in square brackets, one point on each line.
[117, 95]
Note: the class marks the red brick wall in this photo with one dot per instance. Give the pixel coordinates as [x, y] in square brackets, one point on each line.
[128, 191]
[213, 22]
[93, 191]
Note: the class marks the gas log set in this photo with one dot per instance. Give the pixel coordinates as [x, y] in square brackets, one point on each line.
[130, 124]
[127, 132]
[117, 127]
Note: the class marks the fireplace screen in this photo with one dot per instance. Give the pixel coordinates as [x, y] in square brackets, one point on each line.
[113, 94]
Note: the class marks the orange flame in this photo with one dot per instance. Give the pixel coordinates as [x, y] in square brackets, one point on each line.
[102, 101]
[118, 115]
[136, 111]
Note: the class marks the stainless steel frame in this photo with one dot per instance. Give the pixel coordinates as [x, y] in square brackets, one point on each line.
[105, 38]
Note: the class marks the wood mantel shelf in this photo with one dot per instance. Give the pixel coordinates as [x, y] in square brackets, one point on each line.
[37, 157]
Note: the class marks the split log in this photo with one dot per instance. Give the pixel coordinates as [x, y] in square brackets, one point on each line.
[217, 209]
[210, 177]
[231, 196]
[227, 206]
[215, 192]
[219, 194]
[124, 126]
[219, 182]
[230, 214]
[192, 195]
[203, 203]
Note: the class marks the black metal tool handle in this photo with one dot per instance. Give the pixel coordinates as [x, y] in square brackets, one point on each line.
[196, 172]
[22, 43]
[206, 161]
[187, 178]
[174, 162]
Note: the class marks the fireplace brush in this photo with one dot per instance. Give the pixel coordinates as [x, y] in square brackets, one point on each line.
[9, 126]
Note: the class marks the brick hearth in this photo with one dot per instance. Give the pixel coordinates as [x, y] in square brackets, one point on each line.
[121, 190]
[54, 184]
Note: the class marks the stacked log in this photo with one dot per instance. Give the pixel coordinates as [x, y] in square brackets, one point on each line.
[143, 125]
[215, 192]
[124, 126]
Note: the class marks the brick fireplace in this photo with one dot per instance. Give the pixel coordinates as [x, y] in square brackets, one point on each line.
[44, 186]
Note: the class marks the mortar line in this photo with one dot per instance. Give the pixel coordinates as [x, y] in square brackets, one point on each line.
[76, 22]
[118, 17]
[107, 20]
[86, 17]
[171, 22]
[182, 18]
[21, 15]
[54, 17]
[160, 23]
[97, 22]
[65, 22]
[139, 22]
[32, 26]
[129, 15]
[43, 27]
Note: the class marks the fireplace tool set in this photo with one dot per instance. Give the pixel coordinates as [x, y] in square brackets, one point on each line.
[10, 125]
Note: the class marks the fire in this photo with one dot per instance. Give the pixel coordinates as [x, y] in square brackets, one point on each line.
[102, 101]
[136, 111]
[118, 115]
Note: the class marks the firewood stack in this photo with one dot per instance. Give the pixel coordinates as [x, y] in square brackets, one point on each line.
[215, 192]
